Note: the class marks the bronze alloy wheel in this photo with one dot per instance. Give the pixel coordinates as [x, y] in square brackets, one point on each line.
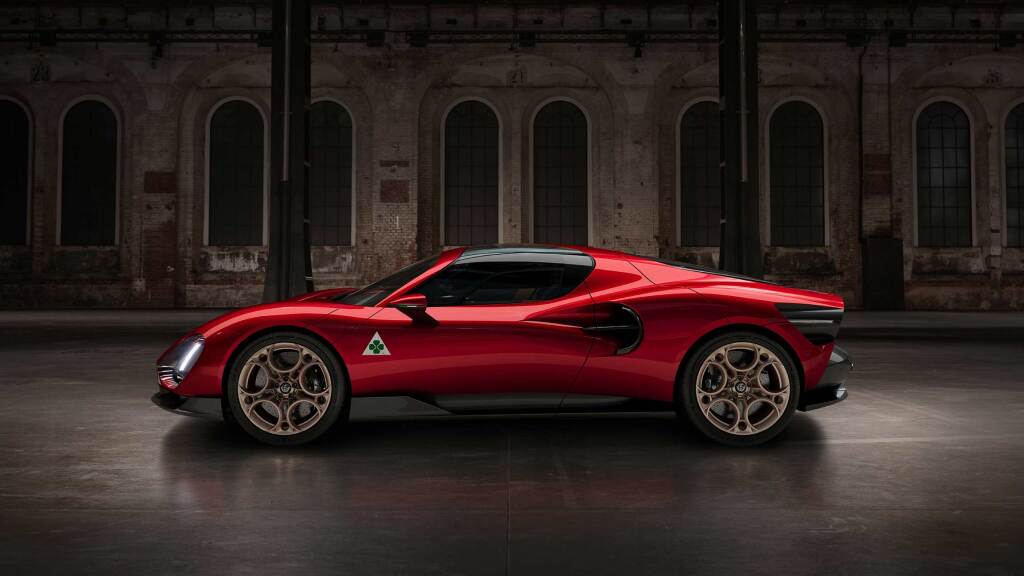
[286, 388]
[740, 388]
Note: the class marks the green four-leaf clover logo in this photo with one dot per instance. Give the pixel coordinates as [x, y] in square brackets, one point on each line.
[376, 347]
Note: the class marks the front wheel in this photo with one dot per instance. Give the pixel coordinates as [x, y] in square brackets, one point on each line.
[739, 389]
[286, 389]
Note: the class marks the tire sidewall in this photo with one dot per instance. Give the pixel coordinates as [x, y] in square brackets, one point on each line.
[336, 408]
[687, 393]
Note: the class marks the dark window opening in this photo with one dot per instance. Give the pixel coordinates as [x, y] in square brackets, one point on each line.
[943, 176]
[560, 171]
[470, 175]
[88, 204]
[14, 165]
[236, 175]
[700, 194]
[330, 175]
[797, 167]
[1015, 177]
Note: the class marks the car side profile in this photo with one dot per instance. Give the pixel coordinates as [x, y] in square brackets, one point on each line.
[520, 329]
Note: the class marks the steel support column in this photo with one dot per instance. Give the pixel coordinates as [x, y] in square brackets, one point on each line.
[737, 81]
[289, 269]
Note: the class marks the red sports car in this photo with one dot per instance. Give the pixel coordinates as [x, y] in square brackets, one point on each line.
[520, 329]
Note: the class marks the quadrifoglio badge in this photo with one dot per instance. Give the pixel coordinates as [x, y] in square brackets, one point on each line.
[376, 346]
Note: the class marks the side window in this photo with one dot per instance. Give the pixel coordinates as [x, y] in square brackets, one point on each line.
[501, 282]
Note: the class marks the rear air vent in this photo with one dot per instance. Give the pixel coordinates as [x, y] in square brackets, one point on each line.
[819, 324]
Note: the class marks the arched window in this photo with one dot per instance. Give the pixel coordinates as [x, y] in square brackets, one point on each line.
[943, 176]
[330, 175]
[797, 170]
[470, 175]
[1014, 142]
[14, 166]
[236, 175]
[88, 197]
[700, 196]
[560, 171]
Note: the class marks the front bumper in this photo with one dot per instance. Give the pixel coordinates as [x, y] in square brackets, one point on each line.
[201, 407]
[830, 389]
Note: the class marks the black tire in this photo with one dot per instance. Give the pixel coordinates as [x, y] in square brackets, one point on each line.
[337, 407]
[687, 394]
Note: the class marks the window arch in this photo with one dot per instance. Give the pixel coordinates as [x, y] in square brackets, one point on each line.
[1014, 166]
[89, 179]
[15, 165]
[797, 175]
[943, 135]
[330, 175]
[560, 174]
[700, 196]
[236, 178]
[470, 173]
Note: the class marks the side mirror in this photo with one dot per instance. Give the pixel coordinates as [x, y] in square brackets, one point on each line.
[414, 306]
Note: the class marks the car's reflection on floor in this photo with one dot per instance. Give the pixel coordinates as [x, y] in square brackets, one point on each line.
[616, 461]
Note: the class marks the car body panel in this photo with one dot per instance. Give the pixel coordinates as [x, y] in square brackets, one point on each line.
[471, 349]
[529, 347]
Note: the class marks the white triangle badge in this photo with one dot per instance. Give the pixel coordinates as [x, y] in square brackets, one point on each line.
[376, 346]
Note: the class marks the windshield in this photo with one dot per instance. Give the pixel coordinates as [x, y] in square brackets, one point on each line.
[372, 295]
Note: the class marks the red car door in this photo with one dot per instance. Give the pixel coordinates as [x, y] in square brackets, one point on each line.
[498, 321]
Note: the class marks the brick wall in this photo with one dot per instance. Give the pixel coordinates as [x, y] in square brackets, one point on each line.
[397, 96]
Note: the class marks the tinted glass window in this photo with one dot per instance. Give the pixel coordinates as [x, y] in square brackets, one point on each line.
[1015, 177]
[797, 176]
[506, 279]
[330, 175]
[700, 195]
[470, 175]
[14, 147]
[236, 175]
[943, 176]
[89, 175]
[372, 295]
[560, 174]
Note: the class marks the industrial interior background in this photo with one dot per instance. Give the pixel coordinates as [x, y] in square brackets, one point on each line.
[136, 172]
[135, 143]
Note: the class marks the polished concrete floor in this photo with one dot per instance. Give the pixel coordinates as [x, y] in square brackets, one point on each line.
[919, 472]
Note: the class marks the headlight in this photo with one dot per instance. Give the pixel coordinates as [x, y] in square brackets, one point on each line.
[178, 362]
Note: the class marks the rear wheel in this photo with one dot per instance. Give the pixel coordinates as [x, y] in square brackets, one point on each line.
[740, 389]
[286, 389]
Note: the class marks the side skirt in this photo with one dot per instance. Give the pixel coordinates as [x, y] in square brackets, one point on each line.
[458, 404]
